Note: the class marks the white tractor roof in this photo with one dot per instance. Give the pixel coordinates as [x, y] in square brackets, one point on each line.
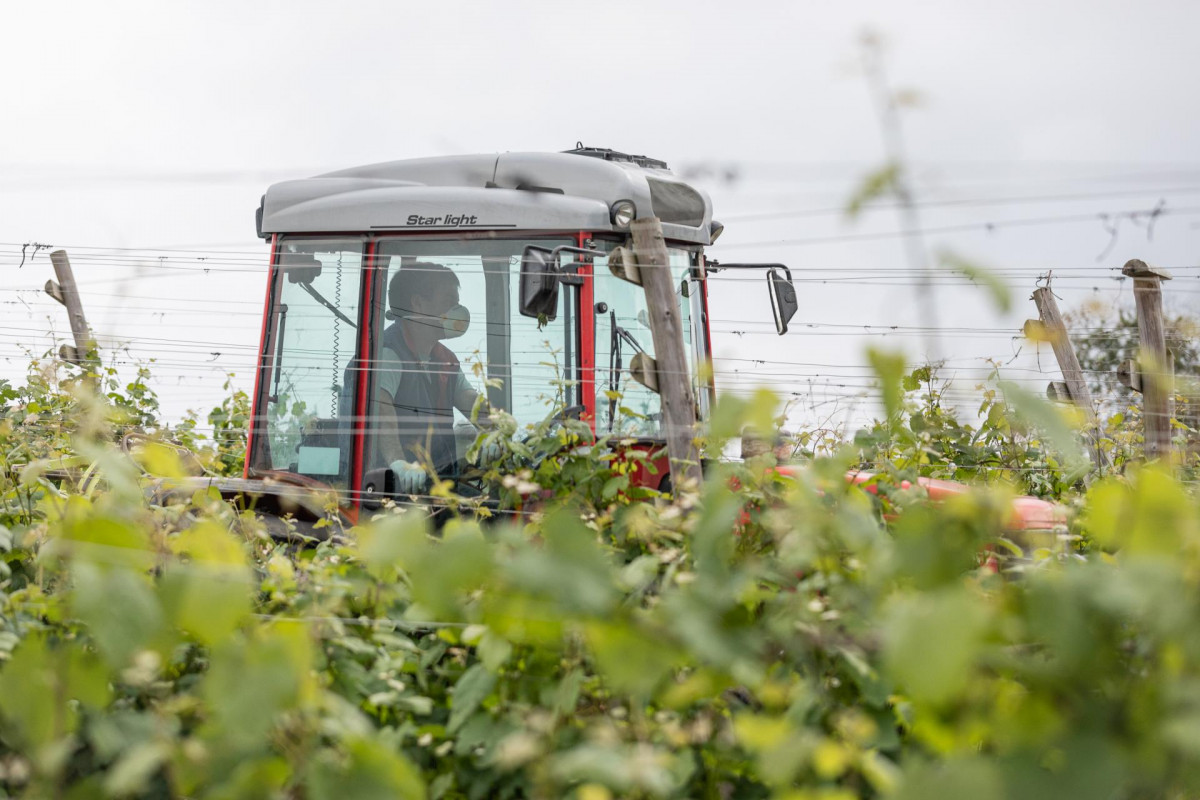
[506, 191]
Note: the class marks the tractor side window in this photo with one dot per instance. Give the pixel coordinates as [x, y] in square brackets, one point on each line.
[309, 389]
[623, 406]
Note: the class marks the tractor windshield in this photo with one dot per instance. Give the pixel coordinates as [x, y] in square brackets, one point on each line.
[308, 394]
[442, 330]
[345, 388]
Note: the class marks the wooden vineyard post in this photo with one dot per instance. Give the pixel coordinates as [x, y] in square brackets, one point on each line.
[1153, 362]
[1055, 330]
[1068, 363]
[669, 367]
[65, 292]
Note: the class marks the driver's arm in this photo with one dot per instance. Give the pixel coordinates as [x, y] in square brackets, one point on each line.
[388, 433]
[410, 477]
[464, 401]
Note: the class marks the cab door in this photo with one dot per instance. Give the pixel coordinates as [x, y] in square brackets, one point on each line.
[621, 328]
[304, 410]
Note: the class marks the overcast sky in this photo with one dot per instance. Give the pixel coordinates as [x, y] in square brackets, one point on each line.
[155, 127]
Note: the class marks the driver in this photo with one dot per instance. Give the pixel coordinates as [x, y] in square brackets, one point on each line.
[419, 382]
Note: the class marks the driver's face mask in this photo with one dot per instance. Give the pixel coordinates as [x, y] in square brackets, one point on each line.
[450, 324]
[455, 321]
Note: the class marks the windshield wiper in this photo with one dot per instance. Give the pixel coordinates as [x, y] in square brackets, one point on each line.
[320, 298]
[629, 338]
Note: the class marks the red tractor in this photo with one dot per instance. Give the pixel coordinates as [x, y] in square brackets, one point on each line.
[405, 299]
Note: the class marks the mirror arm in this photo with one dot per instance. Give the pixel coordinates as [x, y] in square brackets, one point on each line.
[716, 266]
[569, 275]
[781, 287]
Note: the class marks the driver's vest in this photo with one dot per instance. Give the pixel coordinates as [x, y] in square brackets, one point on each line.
[423, 401]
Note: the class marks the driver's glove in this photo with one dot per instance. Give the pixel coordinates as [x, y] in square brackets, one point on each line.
[490, 453]
[410, 478]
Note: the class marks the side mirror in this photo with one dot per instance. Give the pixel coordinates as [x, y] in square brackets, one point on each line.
[783, 297]
[539, 283]
[300, 267]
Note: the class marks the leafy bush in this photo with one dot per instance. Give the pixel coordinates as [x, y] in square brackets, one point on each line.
[773, 636]
[924, 436]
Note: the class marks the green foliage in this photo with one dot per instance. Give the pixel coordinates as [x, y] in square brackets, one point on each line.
[63, 417]
[774, 636]
[1104, 338]
[230, 423]
[1015, 440]
[879, 183]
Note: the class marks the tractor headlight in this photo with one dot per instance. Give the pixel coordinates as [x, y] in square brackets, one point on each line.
[622, 213]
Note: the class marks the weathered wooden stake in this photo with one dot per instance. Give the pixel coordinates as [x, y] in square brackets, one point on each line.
[67, 293]
[670, 359]
[1074, 386]
[1068, 363]
[1158, 392]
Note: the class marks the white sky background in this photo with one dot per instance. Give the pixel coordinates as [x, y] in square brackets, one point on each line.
[159, 125]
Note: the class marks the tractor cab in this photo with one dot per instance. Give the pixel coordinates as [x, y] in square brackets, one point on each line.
[407, 299]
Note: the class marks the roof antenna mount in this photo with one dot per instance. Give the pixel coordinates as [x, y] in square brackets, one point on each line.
[495, 168]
